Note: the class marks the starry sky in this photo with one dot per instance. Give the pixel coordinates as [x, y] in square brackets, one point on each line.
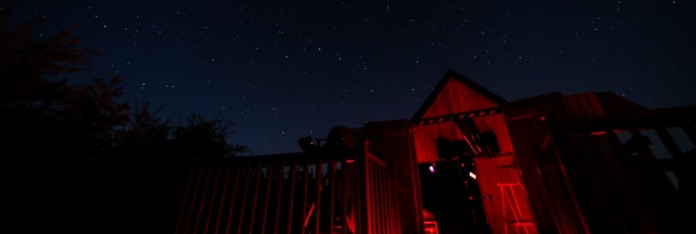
[283, 70]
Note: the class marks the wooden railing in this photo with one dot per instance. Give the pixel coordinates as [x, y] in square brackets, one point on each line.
[290, 193]
[628, 159]
[378, 204]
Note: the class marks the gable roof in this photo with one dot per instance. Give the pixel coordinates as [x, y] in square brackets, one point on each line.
[450, 75]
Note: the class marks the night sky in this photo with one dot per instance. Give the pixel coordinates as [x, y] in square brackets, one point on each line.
[282, 70]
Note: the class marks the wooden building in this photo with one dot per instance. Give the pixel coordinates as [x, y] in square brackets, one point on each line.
[463, 123]
[558, 163]
[475, 163]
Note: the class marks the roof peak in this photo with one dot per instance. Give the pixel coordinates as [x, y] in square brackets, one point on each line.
[450, 74]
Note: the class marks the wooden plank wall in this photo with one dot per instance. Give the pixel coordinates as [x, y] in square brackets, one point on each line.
[457, 97]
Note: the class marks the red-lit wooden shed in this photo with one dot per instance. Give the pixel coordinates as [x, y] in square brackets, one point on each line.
[462, 119]
[553, 163]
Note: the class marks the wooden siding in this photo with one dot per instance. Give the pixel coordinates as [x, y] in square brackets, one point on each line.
[425, 139]
[457, 97]
[504, 198]
[505, 201]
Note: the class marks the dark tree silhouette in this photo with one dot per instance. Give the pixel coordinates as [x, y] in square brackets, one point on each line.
[205, 139]
[146, 137]
[43, 116]
[75, 159]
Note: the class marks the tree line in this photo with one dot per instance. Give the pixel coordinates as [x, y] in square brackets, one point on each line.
[74, 157]
[46, 116]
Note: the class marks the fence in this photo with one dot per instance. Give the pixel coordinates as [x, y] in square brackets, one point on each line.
[291, 193]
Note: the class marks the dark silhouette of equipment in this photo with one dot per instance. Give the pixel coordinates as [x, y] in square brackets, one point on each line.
[341, 140]
[479, 142]
[307, 144]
